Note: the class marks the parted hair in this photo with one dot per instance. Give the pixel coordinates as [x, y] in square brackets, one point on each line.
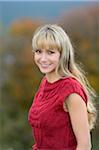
[52, 36]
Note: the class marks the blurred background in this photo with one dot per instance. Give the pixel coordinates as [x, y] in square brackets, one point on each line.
[20, 78]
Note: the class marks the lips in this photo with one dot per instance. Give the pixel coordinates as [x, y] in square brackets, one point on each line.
[44, 65]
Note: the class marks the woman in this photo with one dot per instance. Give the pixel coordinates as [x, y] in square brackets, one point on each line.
[62, 113]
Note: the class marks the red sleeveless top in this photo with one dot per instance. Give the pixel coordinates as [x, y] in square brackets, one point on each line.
[51, 125]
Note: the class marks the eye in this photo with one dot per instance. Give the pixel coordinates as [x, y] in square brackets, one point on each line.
[50, 52]
[38, 51]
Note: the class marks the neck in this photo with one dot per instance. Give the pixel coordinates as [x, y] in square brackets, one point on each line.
[52, 77]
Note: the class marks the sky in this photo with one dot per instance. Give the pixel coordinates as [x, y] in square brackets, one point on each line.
[46, 10]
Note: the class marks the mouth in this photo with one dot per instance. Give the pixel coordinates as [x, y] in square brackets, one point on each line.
[44, 65]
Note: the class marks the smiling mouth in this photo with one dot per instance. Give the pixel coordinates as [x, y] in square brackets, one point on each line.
[45, 65]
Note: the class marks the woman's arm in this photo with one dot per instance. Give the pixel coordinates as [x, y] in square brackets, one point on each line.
[79, 119]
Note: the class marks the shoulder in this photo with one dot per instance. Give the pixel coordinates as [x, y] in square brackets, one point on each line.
[70, 86]
[70, 83]
[43, 80]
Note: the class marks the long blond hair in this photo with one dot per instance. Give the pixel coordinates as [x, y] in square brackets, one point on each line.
[52, 36]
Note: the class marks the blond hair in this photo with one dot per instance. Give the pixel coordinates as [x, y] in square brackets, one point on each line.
[52, 36]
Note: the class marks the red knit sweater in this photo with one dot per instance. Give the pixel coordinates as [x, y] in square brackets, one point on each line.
[51, 125]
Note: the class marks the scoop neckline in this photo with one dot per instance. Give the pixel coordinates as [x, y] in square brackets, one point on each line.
[52, 83]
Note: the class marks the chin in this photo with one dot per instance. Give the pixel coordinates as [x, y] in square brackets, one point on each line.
[45, 71]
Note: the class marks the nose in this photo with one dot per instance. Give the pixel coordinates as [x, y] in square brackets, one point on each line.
[43, 57]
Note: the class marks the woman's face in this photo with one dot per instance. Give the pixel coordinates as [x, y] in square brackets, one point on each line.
[47, 60]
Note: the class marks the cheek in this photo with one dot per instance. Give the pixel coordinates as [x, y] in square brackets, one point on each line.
[57, 58]
[35, 58]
